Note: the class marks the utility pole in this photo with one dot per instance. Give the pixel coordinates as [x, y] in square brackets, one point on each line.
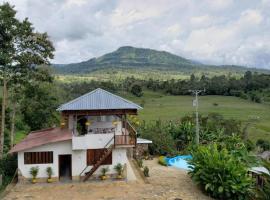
[196, 104]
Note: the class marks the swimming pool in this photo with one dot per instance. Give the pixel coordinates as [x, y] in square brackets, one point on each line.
[179, 161]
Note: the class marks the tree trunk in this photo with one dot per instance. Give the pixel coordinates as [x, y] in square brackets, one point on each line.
[3, 118]
[12, 128]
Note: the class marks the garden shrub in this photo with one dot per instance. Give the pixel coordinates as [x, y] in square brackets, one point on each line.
[263, 144]
[8, 166]
[146, 171]
[140, 163]
[162, 160]
[220, 173]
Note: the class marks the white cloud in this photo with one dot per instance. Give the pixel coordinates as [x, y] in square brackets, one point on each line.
[214, 31]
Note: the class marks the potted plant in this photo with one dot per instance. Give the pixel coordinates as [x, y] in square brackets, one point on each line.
[34, 173]
[49, 173]
[119, 169]
[104, 170]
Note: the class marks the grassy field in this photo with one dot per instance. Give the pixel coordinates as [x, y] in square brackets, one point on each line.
[158, 106]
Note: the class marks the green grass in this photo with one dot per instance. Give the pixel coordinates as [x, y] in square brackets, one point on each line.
[159, 106]
[19, 136]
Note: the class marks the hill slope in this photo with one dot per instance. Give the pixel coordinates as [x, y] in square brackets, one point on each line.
[128, 57]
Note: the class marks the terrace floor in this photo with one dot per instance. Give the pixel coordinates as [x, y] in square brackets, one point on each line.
[166, 183]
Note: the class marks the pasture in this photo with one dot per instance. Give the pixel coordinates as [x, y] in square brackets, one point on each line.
[163, 107]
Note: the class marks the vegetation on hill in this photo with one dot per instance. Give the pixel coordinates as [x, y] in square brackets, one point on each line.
[144, 61]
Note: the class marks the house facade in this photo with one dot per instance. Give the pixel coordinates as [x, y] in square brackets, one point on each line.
[94, 133]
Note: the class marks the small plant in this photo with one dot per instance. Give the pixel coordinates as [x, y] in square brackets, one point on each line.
[140, 163]
[103, 173]
[119, 169]
[215, 104]
[146, 171]
[49, 173]
[34, 173]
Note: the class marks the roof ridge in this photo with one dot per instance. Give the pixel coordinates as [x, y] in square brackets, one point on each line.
[122, 98]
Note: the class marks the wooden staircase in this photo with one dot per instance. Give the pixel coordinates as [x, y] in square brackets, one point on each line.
[103, 157]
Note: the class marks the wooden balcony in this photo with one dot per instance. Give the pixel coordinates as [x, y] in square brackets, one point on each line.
[124, 140]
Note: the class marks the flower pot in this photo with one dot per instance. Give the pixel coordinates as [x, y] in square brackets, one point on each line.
[103, 177]
[49, 180]
[34, 180]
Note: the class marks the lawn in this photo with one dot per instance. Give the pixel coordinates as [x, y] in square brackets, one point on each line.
[159, 106]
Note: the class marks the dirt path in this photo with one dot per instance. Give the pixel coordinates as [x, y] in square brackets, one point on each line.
[165, 183]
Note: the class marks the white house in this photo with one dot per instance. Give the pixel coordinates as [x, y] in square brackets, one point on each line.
[94, 133]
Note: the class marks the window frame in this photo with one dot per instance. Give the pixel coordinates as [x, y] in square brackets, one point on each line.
[38, 157]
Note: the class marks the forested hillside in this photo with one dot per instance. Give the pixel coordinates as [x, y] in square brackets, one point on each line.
[144, 60]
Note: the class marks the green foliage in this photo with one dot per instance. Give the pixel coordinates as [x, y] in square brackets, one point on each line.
[162, 160]
[140, 163]
[263, 144]
[163, 142]
[136, 90]
[119, 168]
[104, 171]
[220, 173]
[8, 166]
[49, 172]
[34, 171]
[39, 106]
[146, 171]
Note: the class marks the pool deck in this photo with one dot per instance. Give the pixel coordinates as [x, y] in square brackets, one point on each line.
[165, 183]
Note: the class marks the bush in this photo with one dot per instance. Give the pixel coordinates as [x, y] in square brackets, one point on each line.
[263, 144]
[140, 163]
[8, 166]
[146, 171]
[162, 160]
[219, 173]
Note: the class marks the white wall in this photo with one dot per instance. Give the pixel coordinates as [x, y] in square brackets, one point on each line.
[78, 159]
[119, 155]
[57, 148]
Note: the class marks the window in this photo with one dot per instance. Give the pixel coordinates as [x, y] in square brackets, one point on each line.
[38, 157]
[93, 155]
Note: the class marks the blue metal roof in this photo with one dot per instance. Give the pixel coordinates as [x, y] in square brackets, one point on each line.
[99, 99]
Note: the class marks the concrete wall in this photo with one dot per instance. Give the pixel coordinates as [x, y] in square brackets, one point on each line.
[78, 160]
[92, 140]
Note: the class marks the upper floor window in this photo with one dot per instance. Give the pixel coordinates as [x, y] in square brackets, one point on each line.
[38, 157]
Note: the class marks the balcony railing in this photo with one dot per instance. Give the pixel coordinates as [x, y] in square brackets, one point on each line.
[124, 140]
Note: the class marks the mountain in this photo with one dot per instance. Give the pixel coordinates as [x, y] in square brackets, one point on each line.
[128, 57]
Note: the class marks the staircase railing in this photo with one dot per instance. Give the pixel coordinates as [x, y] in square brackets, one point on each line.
[108, 145]
[132, 133]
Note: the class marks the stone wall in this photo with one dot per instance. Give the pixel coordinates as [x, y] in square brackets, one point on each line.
[140, 150]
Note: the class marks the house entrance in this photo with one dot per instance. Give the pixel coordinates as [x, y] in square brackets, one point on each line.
[65, 164]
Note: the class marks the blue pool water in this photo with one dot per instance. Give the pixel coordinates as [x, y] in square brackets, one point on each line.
[179, 161]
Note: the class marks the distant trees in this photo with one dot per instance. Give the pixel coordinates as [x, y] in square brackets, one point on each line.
[136, 90]
[252, 86]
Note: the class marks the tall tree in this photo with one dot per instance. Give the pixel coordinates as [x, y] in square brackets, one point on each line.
[21, 50]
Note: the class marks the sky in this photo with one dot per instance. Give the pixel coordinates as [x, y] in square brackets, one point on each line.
[210, 31]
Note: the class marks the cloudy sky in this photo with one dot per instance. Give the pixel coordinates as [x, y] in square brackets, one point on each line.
[210, 31]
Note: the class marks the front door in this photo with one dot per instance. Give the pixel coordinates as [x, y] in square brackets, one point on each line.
[65, 164]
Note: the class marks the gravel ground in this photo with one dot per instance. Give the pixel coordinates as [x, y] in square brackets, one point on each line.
[165, 183]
